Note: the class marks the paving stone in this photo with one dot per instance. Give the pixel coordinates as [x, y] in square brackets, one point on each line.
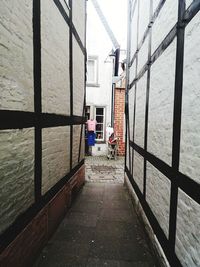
[93, 190]
[117, 215]
[103, 170]
[113, 229]
[74, 234]
[117, 204]
[62, 254]
[95, 262]
[101, 263]
[82, 219]
[89, 207]
[92, 198]
[118, 249]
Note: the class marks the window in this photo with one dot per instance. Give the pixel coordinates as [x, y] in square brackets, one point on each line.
[87, 113]
[92, 71]
[100, 127]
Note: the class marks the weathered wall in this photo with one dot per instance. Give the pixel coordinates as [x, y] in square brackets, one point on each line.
[16, 93]
[16, 50]
[154, 118]
[42, 90]
[55, 155]
[55, 60]
[17, 174]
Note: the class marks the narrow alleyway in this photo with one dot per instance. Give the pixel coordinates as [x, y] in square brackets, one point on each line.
[101, 228]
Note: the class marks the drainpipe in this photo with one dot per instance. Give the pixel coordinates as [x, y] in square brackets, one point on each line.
[113, 105]
[117, 54]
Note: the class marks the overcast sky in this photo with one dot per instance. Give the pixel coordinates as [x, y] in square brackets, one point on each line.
[115, 12]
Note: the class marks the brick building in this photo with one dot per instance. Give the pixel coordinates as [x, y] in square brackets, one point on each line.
[119, 115]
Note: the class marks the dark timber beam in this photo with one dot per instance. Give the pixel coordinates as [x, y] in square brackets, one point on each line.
[37, 95]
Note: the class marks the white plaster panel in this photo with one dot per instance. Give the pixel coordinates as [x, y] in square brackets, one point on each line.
[65, 6]
[82, 154]
[131, 160]
[190, 128]
[158, 196]
[165, 21]
[155, 4]
[138, 170]
[144, 17]
[127, 150]
[140, 110]
[161, 100]
[55, 155]
[143, 55]
[16, 174]
[131, 110]
[16, 53]
[132, 72]
[187, 231]
[78, 17]
[55, 60]
[78, 79]
[134, 23]
[76, 143]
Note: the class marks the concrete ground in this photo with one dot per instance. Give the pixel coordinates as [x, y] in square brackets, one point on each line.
[101, 228]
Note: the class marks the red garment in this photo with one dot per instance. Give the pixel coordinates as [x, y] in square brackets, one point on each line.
[91, 125]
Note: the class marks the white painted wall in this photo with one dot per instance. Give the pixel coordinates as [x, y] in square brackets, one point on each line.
[17, 148]
[160, 125]
[99, 44]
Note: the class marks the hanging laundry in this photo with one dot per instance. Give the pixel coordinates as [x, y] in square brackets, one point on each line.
[91, 125]
[91, 138]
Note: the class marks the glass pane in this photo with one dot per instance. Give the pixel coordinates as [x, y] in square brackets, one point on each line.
[99, 111]
[91, 71]
[87, 113]
[99, 135]
[99, 127]
[99, 119]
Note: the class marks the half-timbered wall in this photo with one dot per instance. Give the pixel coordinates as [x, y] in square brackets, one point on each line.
[163, 122]
[42, 95]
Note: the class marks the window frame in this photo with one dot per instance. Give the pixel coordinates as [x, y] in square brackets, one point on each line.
[96, 71]
[104, 123]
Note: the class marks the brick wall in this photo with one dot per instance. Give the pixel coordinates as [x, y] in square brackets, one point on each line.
[119, 118]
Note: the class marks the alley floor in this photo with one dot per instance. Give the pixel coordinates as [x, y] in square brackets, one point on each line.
[101, 228]
[102, 170]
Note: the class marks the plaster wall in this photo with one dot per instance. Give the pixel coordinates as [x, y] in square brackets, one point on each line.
[160, 126]
[17, 146]
[16, 79]
[55, 61]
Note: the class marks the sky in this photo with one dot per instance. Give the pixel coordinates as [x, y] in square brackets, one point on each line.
[115, 12]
